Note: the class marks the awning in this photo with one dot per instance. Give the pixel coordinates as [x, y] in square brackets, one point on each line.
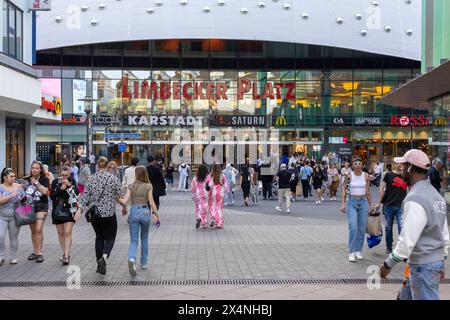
[419, 93]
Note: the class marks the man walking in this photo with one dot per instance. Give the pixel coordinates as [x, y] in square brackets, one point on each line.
[266, 180]
[156, 179]
[284, 190]
[392, 194]
[424, 240]
[435, 174]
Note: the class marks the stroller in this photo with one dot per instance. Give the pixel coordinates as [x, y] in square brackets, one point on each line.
[275, 188]
[254, 194]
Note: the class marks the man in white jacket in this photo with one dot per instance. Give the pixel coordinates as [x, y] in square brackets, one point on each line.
[424, 239]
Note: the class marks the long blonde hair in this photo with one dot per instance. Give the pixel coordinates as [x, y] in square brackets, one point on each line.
[141, 175]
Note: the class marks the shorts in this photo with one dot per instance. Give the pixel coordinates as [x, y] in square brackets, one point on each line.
[169, 180]
[41, 207]
[58, 222]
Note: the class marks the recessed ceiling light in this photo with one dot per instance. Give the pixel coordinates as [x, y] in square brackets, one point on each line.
[387, 29]
[84, 7]
[94, 22]
[150, 10]
[244, 10]
[261, 4]
[363, 32]
[409, 32]
[305, 15]
[206, 9]
[221, 2]
[339, 20]
[102, 6]
[59, 19]
[358, 16]
[287, 6]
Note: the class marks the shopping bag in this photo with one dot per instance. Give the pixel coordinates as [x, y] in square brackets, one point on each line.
[298, 190]
[25, 215]
[374, 231]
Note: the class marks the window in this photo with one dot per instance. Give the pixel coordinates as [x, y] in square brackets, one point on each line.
[12, 30]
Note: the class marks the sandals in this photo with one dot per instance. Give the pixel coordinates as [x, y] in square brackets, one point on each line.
[39, 258]
[197, 225]
[211, 225]
[65, 260]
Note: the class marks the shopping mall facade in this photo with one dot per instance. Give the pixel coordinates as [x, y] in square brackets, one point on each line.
[310, 70]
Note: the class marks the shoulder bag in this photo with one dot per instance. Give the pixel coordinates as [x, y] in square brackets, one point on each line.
[93, 213]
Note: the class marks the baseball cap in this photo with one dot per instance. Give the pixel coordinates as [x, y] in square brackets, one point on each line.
[415, 157]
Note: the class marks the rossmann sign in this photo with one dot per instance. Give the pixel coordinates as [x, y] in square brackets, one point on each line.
[206, 90]
[410, 121]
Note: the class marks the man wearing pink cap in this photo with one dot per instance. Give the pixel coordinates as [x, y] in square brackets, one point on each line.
[424, 240]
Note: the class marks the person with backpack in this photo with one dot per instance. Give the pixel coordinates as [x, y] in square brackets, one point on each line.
[293, 182]
[284, 179]
[218, 188]
[392, 193]
[305, 177]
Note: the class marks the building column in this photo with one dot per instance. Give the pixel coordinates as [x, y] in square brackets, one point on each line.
[2, 141]
[30, 142]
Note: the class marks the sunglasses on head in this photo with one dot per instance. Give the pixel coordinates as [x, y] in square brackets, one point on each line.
[357, 162]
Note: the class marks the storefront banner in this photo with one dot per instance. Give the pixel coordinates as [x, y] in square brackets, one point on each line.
[39, 5]
[106, 120]
[340, 121]
[239, 121]
[410, 121]
[345, 151]
[79, 91]
[367, 121]
[164, 121]
[337, 140]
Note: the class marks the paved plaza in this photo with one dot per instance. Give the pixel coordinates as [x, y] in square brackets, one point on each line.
[256, 244]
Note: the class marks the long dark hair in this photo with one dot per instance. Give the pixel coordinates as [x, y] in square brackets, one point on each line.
[202, 172]
[5, 173]
[216, 171]
[42, 172]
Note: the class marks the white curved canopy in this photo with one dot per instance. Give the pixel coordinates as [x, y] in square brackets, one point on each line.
[389, 27]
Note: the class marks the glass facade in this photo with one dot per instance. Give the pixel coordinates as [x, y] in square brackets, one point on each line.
[12, 17]
[320, 98]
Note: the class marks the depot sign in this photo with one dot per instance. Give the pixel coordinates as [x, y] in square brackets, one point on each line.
[410, 121]
[164, 121]
[51, 106]
[206, 90]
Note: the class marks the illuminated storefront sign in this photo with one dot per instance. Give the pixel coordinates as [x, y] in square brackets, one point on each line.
[239, 121]
[440, 121]
[367, 121]
[206, 90]
[412, 121]
[51, 106]
[281, 121]
[39, 5]
[164, 121]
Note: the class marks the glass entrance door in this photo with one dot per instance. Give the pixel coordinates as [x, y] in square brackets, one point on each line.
[15, 145]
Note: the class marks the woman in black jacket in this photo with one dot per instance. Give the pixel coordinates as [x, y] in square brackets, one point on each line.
[317, 179]
[63, 193]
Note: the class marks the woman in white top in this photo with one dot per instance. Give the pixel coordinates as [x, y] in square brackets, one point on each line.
[357, 208]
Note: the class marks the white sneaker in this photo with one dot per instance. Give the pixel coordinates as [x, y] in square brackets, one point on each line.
[320, 202]
[278, 209]
[352, 257]
[288, 210]
[322, 199]
[359, 256]
[317, 202]
[132, 267]
[144, 267]
[225, 204]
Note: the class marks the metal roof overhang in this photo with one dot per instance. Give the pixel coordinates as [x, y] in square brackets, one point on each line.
[421, 91]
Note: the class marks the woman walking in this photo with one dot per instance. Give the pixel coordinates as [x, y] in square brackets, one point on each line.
[10, 193]
[335, 177]
[357, 208]
[231, 181]
[140, 192]
[38, 187]
[294, 181]
[217, 195]
[103, 190]
[245, 183]
[64, 194]
[317, 179]
[112, 169]
[200, 187]
[85, 173]
[345, 171]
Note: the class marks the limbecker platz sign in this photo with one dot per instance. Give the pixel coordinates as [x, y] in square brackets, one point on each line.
[207, 90]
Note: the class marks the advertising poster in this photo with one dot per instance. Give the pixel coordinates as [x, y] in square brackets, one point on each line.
[79, 91]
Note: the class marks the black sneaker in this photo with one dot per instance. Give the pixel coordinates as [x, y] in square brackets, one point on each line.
[197, 225]
[32, 256]
[211, 225]
[39, 258]
[101, 266]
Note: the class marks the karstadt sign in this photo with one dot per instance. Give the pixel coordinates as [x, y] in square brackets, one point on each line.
[164, 121]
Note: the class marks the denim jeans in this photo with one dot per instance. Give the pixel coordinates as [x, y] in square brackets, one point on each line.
[139, 220]
[424, 280]
[391, 213]
[357, 215]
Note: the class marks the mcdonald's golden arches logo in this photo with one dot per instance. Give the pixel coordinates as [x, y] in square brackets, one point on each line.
[281, 121]
[440, 121]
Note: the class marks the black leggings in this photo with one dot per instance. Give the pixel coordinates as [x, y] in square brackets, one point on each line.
[267, 189]
[105, 235]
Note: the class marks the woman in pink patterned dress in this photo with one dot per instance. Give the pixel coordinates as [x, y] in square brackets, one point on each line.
[217, 195]
[200, 196]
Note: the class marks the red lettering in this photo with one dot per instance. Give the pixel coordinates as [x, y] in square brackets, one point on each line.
[187, 87]
[164, 90]
[244, 86]
[125, 92]
[221, 91]
[278, 86]
[423, 121]
[198, 91]
[255, 94]
[210, 90]
[413, 121]
[47, 105]
[176, 90]
[290, 95]
[394, 121]
[268, 91]
[149, 93]
[136, 89]
[144, 90]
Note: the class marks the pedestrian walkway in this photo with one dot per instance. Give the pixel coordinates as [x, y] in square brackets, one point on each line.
[256, 243]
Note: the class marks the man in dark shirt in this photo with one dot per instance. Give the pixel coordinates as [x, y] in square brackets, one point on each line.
[266, 180]
[284, 190]
[392, 198]
[435, 174]
[156, 179]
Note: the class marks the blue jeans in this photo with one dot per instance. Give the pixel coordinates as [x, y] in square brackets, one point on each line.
[139, 220]
[424, 280]
[391, 213]
[357, 214]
